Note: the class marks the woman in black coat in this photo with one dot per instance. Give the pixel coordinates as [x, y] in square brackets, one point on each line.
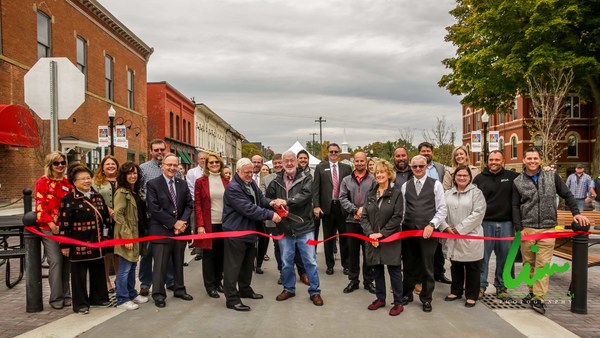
[381, 218]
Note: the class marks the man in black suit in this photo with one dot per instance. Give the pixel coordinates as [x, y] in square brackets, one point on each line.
[326, 204]
[170, 205]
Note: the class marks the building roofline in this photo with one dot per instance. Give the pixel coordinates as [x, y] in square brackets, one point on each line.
[228, 127]
[173, 89]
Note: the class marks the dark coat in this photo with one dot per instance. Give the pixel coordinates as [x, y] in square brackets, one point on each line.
[299, 202]
[163, 213]
[78, 220]
[323, 185]
[202, 209]
[385, 219]
[241, 212]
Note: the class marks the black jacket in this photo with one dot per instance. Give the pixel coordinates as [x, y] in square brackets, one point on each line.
[322, 187]
[299, 202]
[163, 212]
[497, 190]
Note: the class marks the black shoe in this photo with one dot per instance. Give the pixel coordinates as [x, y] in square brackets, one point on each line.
[171, 287]
[443, 279]
[329, 271]
[219, 288]
[198, 257]
[527, 299]
[105, 303]
[427, 307]
[407, 299]
[253, 296]
[259, 270]
[370, 287]
[160, 303]
[213, 294]
[450, 299]
[538, 305]
[239, 307]
[184, 296]
[351, 287]
[186, 264]
[346, 271]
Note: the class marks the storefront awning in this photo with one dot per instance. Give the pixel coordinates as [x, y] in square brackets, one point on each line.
[185, 159]
[17, 126]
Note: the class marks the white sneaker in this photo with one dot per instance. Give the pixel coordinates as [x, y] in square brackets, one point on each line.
[140, 299]
[128, 306]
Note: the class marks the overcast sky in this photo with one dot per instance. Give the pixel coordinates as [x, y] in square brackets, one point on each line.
[270, 68]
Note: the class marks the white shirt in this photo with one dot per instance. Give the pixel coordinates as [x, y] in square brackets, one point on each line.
[441, 211]
[192, 175]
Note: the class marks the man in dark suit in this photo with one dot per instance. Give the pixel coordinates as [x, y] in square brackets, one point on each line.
[170, 205]
[326, 204]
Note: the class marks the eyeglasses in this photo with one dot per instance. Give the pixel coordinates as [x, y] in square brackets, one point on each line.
[57, 163]
[171, 165]
[213, 162]
[419, 166]
[463, 176]
[158, 150]
[84, 179]
[333, 151]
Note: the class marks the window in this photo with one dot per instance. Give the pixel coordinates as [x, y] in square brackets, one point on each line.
[142, 157]
[130, 93]
[108, 75]
[177, 128]
[468, 124]
[184, 127]
[82, 56]
[572, 106]
[477, 121]
[537, 141]
[501, 144]
[131, 155]
[572, 146]
[501, 118]
[513, 147]
[189, 132]
[515, 110]
[171, 124]
[44, 41]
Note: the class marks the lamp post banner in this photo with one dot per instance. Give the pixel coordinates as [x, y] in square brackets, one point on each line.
[103, 138]
[494, 140]
[476, 141]
[121, 136]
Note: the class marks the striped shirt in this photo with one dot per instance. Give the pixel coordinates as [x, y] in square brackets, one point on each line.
[579, 185]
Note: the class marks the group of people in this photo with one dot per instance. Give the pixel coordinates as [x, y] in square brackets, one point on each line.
[376, 199]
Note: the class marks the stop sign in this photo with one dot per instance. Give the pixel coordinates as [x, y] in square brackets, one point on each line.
[70, 88]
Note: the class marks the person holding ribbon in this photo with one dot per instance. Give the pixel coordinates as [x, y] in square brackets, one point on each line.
[466, 209]
[84, 216]
[381, 218]
[49, 190]
[208, 207]
[130, 221]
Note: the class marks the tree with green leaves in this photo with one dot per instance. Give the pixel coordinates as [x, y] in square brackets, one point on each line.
[249, 150]
[502, 42]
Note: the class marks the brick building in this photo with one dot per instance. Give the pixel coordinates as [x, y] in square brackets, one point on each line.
[113, 60]
[515, 136]
[171, 117]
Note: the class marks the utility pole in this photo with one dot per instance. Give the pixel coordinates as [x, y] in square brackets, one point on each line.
[312, 145]
[320, 120]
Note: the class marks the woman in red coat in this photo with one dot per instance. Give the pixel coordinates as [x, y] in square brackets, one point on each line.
[208, 200]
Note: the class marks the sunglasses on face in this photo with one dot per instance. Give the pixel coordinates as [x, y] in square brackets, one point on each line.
[333, 151]
[419, 166]
[158, 150]
[213, 162]
[57, 163]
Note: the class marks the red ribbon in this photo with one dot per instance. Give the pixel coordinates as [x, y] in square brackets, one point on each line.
[233, 234]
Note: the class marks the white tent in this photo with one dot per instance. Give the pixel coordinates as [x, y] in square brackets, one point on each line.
[312, 161]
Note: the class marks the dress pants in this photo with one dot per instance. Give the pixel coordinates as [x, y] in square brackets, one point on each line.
[238, 265]
[163, 253]
[262, 246]
[417, 257]
[355, 246]
[59, 269]
[438, 262]
[465, 274]
[333, 222]
[395, 272]
[145, 273]
[98, 293]
[212, 261]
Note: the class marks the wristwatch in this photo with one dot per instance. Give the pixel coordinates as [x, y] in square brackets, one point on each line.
[432, 225]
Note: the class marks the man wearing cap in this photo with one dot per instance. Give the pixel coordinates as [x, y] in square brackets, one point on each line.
[244, 208]
[580, 185]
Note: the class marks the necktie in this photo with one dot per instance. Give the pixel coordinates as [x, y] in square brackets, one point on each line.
[336, 184]
[418, 186]
[172, 191]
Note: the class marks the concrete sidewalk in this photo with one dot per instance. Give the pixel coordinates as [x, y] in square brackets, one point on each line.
[343, 315]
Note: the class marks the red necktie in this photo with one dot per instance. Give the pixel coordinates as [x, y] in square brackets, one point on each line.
[336, 184]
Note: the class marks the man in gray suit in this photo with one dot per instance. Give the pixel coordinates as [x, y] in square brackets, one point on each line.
[436, 171]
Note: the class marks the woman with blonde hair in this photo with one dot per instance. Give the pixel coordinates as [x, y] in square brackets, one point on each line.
[105, 183]
[49, 190]
[460, 157]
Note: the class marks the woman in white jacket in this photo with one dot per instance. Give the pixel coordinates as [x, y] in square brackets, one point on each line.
[466, 208]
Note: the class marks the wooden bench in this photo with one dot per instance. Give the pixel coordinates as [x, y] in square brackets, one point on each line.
[563, 247]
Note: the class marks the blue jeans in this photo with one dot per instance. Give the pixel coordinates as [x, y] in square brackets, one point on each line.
[125, 281]
[146, 270]
[288, 246]
[500, 248]
[580, 204]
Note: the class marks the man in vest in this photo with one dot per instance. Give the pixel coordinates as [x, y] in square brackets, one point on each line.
[425, 209]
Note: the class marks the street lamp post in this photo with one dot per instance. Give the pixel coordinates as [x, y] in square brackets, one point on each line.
[485, 118]
[111, 126]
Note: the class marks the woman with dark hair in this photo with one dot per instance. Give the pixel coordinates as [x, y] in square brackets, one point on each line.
[208, 206]
[381, 218]
[83, 216]
[466, 208]
[49, 190]
[105, 183]
[130, 217]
